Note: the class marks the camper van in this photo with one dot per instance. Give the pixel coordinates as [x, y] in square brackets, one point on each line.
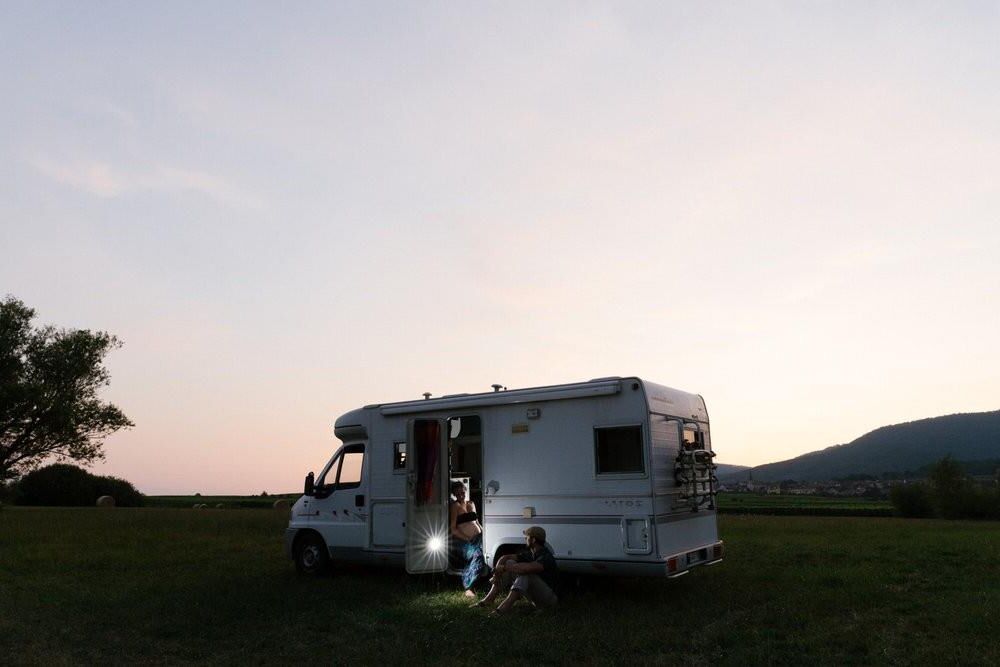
[618, 471]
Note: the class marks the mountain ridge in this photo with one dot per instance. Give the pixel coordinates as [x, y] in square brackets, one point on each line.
[892, 448]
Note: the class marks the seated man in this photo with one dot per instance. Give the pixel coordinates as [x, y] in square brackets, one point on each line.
[531, 574]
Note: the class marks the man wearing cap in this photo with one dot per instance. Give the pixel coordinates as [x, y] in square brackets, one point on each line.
[531, 574]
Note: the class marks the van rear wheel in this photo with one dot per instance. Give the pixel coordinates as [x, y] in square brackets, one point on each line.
[311, 556]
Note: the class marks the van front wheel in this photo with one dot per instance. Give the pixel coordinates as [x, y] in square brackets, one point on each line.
[311, 556]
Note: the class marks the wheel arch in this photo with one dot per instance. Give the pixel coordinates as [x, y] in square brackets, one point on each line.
[508, 546]
[300, 534]
[310, 552]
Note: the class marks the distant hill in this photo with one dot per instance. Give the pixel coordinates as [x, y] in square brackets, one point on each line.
[901, 447]
[727, 469]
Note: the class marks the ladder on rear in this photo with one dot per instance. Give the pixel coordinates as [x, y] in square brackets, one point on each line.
[694, 472]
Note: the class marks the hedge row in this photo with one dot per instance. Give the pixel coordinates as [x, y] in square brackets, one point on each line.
[63, 485]
[948, 493]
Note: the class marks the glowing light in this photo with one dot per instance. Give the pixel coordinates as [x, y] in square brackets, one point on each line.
[435, 544]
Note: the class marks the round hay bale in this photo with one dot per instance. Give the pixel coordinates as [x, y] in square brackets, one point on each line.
[196, 506]
[281, 504]
[105, 501]
[219, 506]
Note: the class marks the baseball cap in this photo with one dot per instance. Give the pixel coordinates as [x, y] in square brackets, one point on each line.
[536, 532]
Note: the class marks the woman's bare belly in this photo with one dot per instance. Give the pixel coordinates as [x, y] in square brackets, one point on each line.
[469, 529]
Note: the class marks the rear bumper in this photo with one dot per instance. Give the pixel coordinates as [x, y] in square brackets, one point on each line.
[611, 568]
[681, 563]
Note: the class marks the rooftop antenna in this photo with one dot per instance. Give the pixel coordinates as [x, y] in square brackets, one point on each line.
[497, 387]
[427, 395]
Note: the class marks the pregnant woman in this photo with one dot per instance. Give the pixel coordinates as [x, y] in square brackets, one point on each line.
[467, 532]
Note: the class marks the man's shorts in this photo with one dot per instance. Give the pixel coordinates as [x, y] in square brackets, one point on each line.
[535, 589]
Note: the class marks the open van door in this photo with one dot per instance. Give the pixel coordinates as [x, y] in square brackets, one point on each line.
[427, 496]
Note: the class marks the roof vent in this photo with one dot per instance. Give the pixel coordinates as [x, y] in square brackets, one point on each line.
[497, 387]
[427, 395]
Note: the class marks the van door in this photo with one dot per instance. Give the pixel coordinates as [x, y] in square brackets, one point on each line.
[427, 496]
[339, 506]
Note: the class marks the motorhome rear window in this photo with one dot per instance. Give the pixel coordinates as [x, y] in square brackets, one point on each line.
[693, 439]
[619, 450]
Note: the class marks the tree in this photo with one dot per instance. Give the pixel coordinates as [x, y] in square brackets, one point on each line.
[912, 500]
[957, 497]
[63, 485]
[947, 475]
[49, 379]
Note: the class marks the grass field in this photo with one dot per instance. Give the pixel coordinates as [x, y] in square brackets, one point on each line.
[180, 586]
[734, 503]
[228, 502]
[786, 504]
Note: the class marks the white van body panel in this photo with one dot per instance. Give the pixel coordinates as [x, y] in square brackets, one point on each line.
[539, 467]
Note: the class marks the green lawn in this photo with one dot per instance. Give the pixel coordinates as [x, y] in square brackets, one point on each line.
[228, 502]
[183, 586]
[787, 504]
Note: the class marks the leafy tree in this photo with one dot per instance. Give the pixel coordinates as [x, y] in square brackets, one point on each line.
[56, 485]
[947, 474]
[49, 379]
[66, 485]
[950, 487]
[121, 490]
[911, 500]
[948, 493]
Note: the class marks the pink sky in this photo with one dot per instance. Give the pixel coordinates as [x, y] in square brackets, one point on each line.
[287, 213]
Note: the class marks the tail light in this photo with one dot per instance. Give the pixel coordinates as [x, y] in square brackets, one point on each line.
[717, 551]
[671, 565]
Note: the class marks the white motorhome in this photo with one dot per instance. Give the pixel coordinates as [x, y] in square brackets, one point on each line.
[617, 470]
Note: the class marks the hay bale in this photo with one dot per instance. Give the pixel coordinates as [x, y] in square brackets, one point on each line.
[105, 501]
[282, 504]
[201, 506]
[219, 506]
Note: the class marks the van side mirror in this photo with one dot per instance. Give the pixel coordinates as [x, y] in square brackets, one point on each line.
[310, 486]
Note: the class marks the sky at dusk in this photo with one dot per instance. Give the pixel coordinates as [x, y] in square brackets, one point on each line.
[289, 211]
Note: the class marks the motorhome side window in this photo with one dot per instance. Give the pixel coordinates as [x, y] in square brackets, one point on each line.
[350, 469]
[619, 450]
[399, 456]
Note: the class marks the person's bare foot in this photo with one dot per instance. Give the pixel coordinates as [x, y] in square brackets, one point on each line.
[469, 593]
[504, 607]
